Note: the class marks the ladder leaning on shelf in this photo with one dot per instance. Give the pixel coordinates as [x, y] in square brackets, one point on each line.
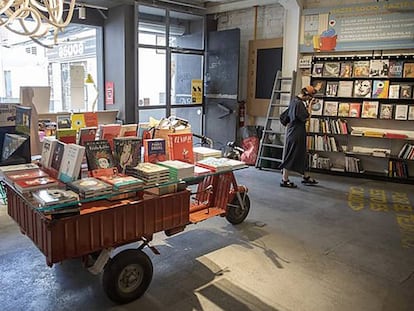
[271, 146]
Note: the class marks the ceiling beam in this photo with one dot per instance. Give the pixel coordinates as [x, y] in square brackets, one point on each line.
[238, 5]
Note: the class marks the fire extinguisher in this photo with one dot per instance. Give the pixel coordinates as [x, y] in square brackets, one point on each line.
[242, 112]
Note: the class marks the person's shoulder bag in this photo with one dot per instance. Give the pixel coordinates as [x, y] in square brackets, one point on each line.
[284, 117]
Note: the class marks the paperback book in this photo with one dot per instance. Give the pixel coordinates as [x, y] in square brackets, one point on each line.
[331, 69]
[155, 150]
[13, 176]
[77, 121]
[67, 136]
[362, 88]
[410, 112]
[369, 109]
[379, 68]
[401, 112]
[346, 70]
[91, 119]
[128, 130]
[71, 163]
[386, 111]
[355, 110]
[90, 187]
[57, 156]
[87, 134]
[109, 132]
[48, 146]
[127, 152]
[320, 86]
[29, 185]
[394, 91]
[380, 88]
[63, 121]
[406, 91]
[55, 196]
[330, 108]
[181, 147]
[345, 88]
[99, 155]
[317, 107]
[331, 88]
[361, 69]
[343, 110]
[396, 69]
[23, 117]
[317, 69]
[408, 71]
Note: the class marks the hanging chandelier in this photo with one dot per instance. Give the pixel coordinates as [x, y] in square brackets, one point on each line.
[35, 18]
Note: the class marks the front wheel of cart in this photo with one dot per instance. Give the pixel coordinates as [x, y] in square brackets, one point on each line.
[127, 276]
[236, 214]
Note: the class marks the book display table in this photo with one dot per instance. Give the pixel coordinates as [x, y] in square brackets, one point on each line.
[105, 223]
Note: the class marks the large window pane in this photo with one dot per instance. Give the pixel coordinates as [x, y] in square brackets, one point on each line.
[158, 114]
[151, 25]
[191, 114]
[186, 30]
[184, 69]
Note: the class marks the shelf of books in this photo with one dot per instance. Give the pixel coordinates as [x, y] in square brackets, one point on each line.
[362, 123]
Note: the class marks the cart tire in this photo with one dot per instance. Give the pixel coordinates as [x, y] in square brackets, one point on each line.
[235, 214]
[127, 276]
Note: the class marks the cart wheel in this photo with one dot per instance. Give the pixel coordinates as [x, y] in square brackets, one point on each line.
[127, 276]
[235, 213]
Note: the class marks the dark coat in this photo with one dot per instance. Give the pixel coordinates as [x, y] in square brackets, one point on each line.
[295, 146]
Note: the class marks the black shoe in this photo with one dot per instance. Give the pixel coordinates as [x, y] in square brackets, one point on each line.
[309, 181]
[287, 184]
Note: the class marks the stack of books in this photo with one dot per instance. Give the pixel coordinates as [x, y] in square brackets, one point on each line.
[201, 153]
[122, 182]
[151, 173]
[33, 184]
[90, 187]
[215, 164]
[178, 169]
[54, 196]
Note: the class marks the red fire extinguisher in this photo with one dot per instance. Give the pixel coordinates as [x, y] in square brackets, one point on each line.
[242, 112]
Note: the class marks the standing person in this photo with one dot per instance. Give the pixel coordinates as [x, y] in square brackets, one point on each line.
[295, 147]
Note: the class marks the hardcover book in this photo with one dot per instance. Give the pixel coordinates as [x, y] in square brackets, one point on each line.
[408, 71]
[48, 146]
[57, 156]
[181, 147]
[77, 121]
[361, 69]
[386, 111]
[109, 132]
[343, 110]
[379, 68]
[331, 69]
[362, 88]
[406, 91]
[317, 107]
[345, 88]
[394, 91]
[155, 150]
[67, 136]
[330, 108]
[369, 109]
[11, 143]
[127, 152]
[355, 110]
[128, 130]
[396, 69]
[71, 163]
[87, 134]
[346, 70]
[331, 88]
[320, 86]
[99, 155]
[317, 69]
[380, 88]
[401, 112]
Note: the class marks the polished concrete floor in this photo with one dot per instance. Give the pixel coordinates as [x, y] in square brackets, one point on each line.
[346, 244]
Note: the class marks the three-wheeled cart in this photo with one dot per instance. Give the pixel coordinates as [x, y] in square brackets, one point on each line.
[106, 224]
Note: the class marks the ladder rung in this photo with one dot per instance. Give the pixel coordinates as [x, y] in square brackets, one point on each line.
[281, 92]
[272, 132]
[279, 105]
[270, 159]
[273, 145]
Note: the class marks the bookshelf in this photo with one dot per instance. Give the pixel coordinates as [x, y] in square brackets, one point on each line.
[364, 123]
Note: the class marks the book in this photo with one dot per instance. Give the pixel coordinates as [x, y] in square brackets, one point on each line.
[71, 163]
[330, 108]
[215, 164]
[127, 151]
[394, 91]
[23, 117]
[11, 143]
[181, 147]
[57, 156]
[91, 119]
[317, 69]
[99, 155]
[362, 88]
[345, 88]
[29, 185]
[63, 121]
[128, 130]
[77, 121]
[122, 182]
[17, 167]
[155, 150]
[343, 110]
[331, 88]
[408, 70]
[87, 134]
[48, 146]
[109, 132]
[90, 187]
[410, 113]
[369, 109]
[331, 69]
[346, 70]
[386, 111]
[317, 107]
[320, 86]
[55, 196]
[379, 68]
[380, 88]
[401, 112]
[406, 91]
[24, 174]
[361, 69]
[355, 110]
[396, 68]
[67, 136]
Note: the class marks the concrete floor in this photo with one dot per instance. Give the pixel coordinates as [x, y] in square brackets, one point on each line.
[346, 244]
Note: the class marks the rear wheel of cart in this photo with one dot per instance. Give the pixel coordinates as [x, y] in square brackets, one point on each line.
[127, 276]
[235, 213]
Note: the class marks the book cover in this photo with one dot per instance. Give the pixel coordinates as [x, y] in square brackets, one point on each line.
[362, 88]
[67, 136]
[369, 109]
[155, 150]
[396, 68]
[121, 181]
[14, 176]
[401, 112]
[128, 130]
[181, 147]
[63, 121]
[331, 88]
[57, 155]
[23, 117]
[317, 107]
[317, 69]
[346, 70]
[109, 132]
[142, 127]
[345, 88]
[411, 113]
[361, 69]
[87, 134]
[11, 143]
[320, 86]
[54, 196]
[99, 155]
[90, 185]
[71, 163]
[408, 71]
[28, 185]
[343, 110]
[48, 146]
[394, 91]
[77, 121]
[380, 88]
[330, 108]
[379, 68]
[355, 110]
[331, 69]
[91, 119]
[406, 91]
[127, 152]
[386, 111]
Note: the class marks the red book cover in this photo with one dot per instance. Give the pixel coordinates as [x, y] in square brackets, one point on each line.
[67, 136]
[355, 110]
[109, 132]
[87, 134]
[24, 174]
[91, 119]
[181, 147]
[35, 183]
[154, 150]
